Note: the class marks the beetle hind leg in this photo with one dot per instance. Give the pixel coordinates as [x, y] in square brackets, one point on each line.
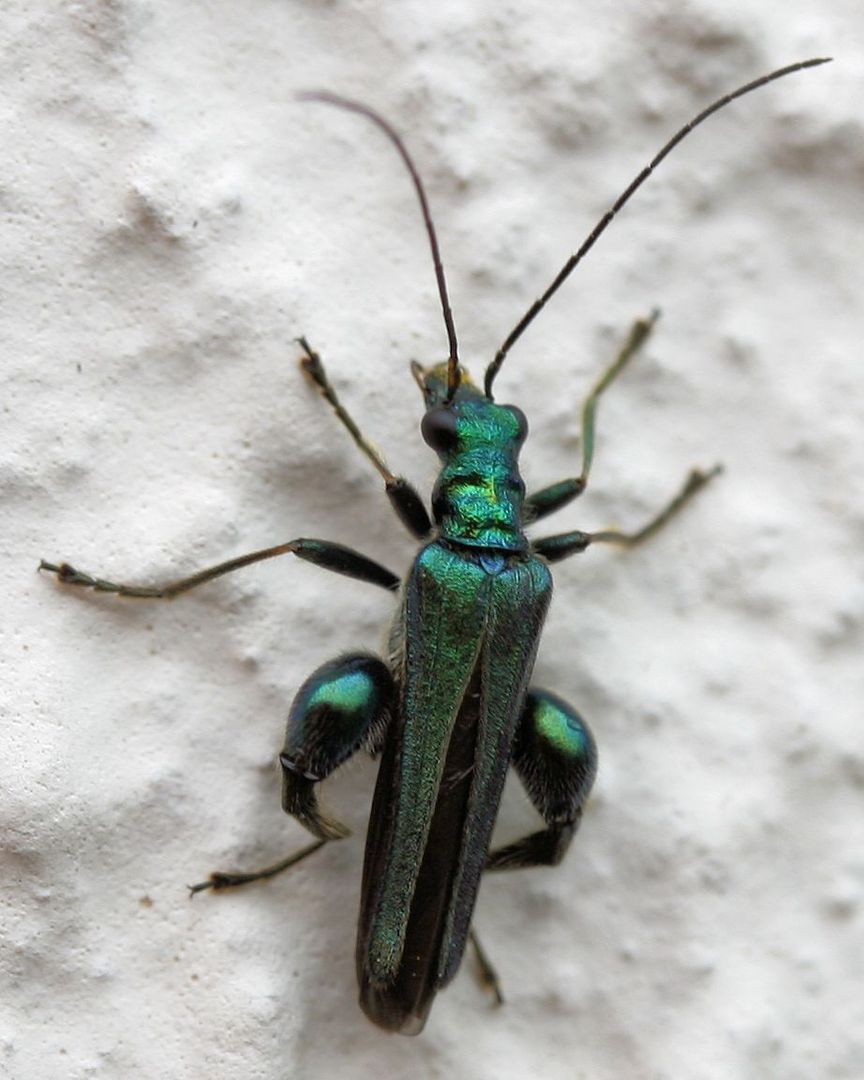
[556, 758]
[487, 975]
[343, 706]
[229, 879]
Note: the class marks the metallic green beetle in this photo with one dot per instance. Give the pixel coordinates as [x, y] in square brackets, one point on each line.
[451, 707]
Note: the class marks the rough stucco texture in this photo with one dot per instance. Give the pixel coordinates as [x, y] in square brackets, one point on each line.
[171, 221]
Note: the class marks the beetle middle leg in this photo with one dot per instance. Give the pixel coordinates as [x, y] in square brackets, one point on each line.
[562, 545]
[324, 553]
[343, 706]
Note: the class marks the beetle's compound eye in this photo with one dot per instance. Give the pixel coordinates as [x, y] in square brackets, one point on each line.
[521, 422]
[438, 428]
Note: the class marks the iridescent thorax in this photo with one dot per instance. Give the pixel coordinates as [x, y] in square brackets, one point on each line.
[479, 494]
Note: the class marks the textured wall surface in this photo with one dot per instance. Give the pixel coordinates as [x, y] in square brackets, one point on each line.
[171, 221]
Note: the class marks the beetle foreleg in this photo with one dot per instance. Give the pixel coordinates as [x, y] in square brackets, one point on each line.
[552, 498]
[403, 496]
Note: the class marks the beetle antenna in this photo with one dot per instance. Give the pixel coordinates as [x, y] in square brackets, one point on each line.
[634, 186]
[364, 110]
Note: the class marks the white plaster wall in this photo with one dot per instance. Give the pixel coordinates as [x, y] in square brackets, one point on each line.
[171, 221]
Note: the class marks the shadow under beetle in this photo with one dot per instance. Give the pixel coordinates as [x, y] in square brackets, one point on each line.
[452, 706]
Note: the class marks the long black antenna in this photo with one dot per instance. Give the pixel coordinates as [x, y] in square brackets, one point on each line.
[364, 110]
[602, 224]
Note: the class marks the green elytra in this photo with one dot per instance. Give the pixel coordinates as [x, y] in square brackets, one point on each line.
[450, 708]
